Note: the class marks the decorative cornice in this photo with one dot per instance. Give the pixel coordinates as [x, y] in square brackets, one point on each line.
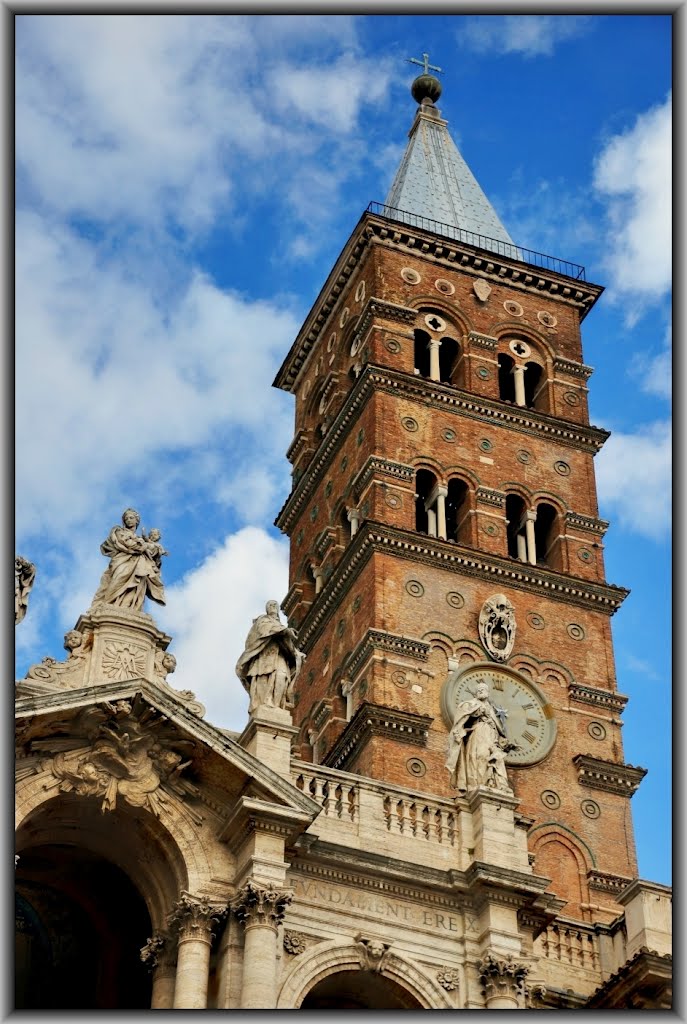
[324, 541]
[373, 536]
[623, 779]
[373, 228]
[589, 523]
[373, 720]
[604, 882]
[489, 496]
[437, 395]
[482, 340]
[375, 465]
[643, 982]
[299, 442]
[250, 815]
[571, 368]
[385, 311]
[377, 639]
[325, 453]
[380, 880]
[606, 699]
[529, 421]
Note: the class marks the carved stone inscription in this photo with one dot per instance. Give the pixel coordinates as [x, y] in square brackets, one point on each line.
[376, 905]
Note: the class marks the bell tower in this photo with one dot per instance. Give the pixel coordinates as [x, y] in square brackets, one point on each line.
[443, 520]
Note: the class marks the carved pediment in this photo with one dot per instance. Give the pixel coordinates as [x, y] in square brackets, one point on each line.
[137, 743]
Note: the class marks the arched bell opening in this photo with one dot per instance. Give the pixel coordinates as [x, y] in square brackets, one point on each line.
[80, 926]
[359, 990]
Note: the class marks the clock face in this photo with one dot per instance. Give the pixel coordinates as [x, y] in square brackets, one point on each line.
[527, 717]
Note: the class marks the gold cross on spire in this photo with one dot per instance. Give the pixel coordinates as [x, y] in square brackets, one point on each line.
[424, 63]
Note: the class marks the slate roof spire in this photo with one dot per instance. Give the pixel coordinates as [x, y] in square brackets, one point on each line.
[434, 181]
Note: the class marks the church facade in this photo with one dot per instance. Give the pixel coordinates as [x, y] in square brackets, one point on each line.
[429, 805]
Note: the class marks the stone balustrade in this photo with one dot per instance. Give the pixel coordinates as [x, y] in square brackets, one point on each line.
[572, 944]
[406, 823]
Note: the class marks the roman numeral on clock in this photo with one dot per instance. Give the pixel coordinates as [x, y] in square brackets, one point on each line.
[528, 736]
[532, 721]
[498, 683]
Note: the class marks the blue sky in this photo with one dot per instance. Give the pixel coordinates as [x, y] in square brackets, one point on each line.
[184, 184]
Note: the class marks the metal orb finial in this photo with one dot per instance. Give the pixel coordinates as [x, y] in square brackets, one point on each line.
[425, 86]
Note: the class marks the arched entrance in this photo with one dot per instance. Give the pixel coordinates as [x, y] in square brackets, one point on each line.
[91, 889]
[80, 924]
[359, 990]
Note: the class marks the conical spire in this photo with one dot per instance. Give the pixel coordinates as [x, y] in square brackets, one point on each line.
[434, 181]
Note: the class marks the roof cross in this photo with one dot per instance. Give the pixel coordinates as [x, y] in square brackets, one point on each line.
[423, 63]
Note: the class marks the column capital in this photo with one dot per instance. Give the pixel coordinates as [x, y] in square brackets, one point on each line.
[158, 951]
[194, 917]
[502, 976]
[531, 515]
[257, 904]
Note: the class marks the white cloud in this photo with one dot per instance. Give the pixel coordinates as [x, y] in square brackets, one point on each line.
[156, 119]
[532, 35]
[634, 474]
[633, 175]
[654, 370]
[209, 614]
[108, 383]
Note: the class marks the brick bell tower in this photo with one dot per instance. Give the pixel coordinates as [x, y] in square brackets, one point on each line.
[443, 519]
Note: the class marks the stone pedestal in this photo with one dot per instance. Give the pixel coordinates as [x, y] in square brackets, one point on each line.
[648, 916]
[268, 736]
[123, 644]
[495, 836]
[260, 910]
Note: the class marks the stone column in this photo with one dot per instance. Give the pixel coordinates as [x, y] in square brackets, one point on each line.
[159, 954]
[503, 981]
[434, 372]
[319, 579]
[431, 522]
[194, 919]
[530, 517]
[354, 519]
[442, 493]
[519, 380]
[522, 547]
[260, 910]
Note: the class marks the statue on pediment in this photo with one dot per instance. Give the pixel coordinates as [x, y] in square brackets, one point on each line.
[270, 662]
[24, 575]
[134, 572]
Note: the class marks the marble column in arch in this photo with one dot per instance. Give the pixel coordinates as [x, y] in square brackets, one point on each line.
[194, 919]
[260, 909]
[159, 954]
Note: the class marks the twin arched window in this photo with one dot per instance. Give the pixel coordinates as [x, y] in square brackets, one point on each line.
[441, 510]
